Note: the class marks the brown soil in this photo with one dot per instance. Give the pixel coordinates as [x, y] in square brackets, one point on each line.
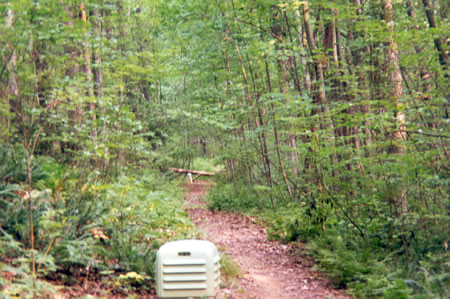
[271, 270]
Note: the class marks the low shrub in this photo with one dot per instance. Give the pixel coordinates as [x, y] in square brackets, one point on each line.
[242, 198]
[229, 270]
[87, 222]
[393, 258]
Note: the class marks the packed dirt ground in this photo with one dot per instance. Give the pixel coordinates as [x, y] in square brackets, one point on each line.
[270, 269]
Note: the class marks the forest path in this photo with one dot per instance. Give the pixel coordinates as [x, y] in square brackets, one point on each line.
[271, 270]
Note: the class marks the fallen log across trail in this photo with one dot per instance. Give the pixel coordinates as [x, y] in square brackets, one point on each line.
[198, 173]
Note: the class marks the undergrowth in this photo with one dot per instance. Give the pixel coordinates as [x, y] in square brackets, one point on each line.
[229, 271]
[372, 265]
[229, 198]
[84, 223]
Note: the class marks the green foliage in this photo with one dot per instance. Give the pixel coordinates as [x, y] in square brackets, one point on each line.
[290, 223]
[310, 127]
[204, 164]
[229, 270]
[137, 218]
[22, 283]
[132, 281]
[79, 223]
[237, 199]
[374, 272]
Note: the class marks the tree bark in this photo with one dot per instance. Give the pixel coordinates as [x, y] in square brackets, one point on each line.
[395, 92]
[425, 75]
[88, 72]
[98, 78]
[13, 92]
[284, 88]
[438, 42]
[319, 66]
[302, 42]
[262, 136]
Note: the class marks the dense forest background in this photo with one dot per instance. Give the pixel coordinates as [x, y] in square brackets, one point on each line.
[329, 120]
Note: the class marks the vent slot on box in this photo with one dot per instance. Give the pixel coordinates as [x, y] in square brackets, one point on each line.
[188, 268]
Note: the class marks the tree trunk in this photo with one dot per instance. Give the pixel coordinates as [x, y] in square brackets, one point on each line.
[438, 42]
[277, 139]
[302, 42]
[425, 75]
[13, 93]
[284, 88]
[395, 93]
[262, 136]
[98, 78]
[320, 96]
[88, 72]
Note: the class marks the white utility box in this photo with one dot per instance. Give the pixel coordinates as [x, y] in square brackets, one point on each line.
[188, 268]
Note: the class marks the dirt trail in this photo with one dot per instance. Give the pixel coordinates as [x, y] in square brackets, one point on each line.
[271, 270]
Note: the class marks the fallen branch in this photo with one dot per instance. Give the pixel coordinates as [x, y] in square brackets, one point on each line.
[197, 172]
